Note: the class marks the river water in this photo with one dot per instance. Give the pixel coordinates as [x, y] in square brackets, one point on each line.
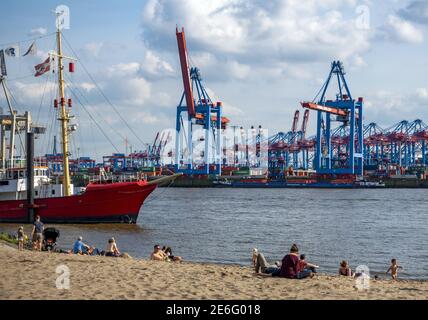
[362, 226]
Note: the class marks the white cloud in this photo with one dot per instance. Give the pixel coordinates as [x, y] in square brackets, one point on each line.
[387, 107]
[416, 11]
[153, 64]
[397, 29]
[126, 84]
[273, 34]
[87, 86]
[422, 93]
[93, 48]
[32, 91]
[145, 118]
[124, 69]
[228, 109]
[38, 32]
[134, 91]
[163, 99]
[238, 70]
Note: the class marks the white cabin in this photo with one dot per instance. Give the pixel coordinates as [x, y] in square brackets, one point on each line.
[13, 184]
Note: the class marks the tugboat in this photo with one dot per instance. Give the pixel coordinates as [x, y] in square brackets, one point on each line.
[100, 202]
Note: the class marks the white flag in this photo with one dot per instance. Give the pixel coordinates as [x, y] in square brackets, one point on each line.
[31, 50]
[12, 51]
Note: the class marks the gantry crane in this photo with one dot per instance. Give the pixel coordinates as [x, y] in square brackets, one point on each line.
[201, 111]
[349, 113]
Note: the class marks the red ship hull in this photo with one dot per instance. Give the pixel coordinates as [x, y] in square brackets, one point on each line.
[100, 203]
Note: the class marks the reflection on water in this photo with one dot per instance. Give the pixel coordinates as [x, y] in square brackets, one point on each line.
[223, 225]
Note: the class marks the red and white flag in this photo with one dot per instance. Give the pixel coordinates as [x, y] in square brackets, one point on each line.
[43, 67]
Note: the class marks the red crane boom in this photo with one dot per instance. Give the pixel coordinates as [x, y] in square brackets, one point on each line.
[314, 106]
[305, 123]
[295, 121]
[182, 50]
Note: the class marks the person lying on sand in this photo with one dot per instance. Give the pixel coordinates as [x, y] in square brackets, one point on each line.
[290, 266]
[112, 250]
[79, 247]
[394, 269]
[261, 265]
[306, 265]
[168, 252]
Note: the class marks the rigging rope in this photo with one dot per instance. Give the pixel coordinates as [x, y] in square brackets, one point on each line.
[16, 104]
[90, 116]
[43, 95]
[102, 93]
[97, 113]
[27, 40]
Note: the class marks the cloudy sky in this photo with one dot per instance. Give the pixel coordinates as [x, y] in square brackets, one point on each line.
[261, 58]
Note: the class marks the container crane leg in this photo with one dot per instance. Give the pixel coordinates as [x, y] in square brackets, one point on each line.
[190, 145]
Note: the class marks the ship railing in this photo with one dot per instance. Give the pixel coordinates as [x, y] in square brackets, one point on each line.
[104, 178]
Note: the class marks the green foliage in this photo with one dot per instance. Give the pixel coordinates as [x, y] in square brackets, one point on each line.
[8, 238]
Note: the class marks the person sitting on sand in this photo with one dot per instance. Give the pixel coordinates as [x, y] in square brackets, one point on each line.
[306, 265]
[158, 254]
[79, 247]
[112, 250]
[21, 237]
[261, 265]
[394, 269]
[37, 234]
[168, 252]
[290, 267]
[345, 269]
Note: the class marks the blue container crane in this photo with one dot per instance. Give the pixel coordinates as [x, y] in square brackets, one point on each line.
[349, 113]
[201, 111]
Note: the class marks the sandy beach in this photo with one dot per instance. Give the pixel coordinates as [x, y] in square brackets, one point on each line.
[32, 275]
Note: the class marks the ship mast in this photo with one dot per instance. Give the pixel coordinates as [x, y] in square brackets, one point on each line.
[64, 116]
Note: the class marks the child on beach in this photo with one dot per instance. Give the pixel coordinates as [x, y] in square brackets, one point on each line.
[21, 236]
[168, 252]
[112, 249]
[306, 265]
[394, 269]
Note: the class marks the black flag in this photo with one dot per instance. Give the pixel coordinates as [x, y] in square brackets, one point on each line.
[2, 64]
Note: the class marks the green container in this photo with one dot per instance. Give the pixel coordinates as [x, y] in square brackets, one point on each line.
[241, 172]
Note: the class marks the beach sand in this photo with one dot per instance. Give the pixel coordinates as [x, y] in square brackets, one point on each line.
[32, 275]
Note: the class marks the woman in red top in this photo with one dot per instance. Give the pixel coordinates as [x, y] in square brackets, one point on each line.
[290, 267]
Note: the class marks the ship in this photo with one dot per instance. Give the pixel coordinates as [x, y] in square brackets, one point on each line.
[297, 180]
[26, 189]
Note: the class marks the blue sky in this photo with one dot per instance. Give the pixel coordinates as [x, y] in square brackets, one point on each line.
[260, 58]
